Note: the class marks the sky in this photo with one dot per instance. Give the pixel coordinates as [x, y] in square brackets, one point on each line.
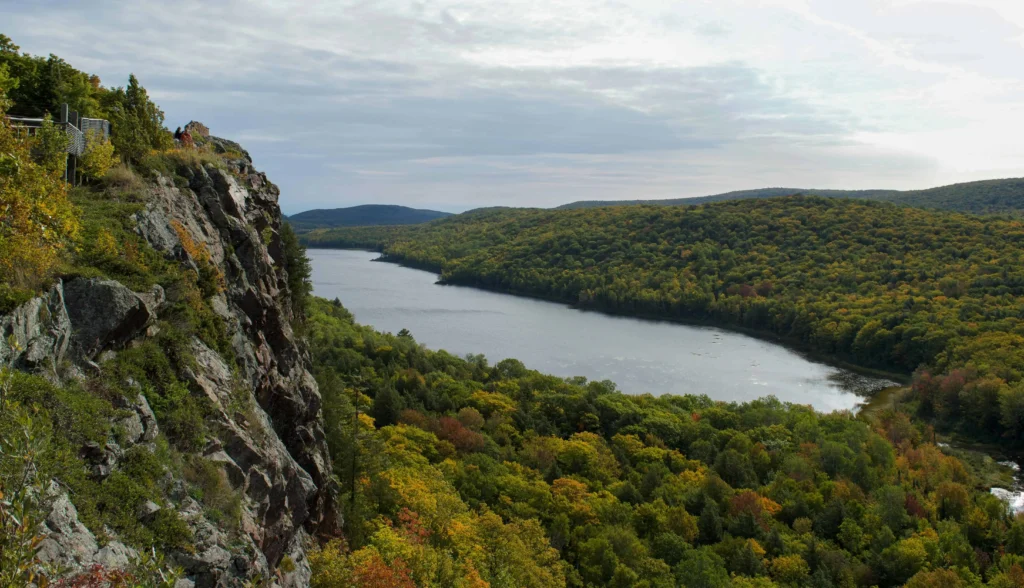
[458, 104]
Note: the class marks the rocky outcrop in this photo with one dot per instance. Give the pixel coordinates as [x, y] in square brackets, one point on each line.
[233, 214]
[197, 129]
[266, 425]
[69, 544]
[75, 320]
[273, 446]
[35, 336]
[104, 315]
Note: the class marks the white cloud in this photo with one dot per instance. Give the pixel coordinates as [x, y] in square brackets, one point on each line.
[463, 103]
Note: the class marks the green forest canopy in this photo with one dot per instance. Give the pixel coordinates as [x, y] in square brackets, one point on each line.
[871, 283]
[454, 472]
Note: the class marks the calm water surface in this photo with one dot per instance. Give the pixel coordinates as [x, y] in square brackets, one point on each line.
[638, 355]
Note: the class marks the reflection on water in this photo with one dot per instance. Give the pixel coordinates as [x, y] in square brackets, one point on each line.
[640, 356]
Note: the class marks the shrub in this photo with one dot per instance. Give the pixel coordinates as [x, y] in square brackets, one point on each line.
[171, 161]
[212, 488]
[21, 485]
[98, 158]
[121, 178]
[211, 278]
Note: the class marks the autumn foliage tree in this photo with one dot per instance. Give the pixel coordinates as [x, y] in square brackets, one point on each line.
[38, 223]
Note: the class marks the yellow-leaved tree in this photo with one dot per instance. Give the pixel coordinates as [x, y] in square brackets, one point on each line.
[38, 223]
[98, 157]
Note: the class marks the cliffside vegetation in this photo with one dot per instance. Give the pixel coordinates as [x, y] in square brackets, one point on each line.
[39, 224]
[71, 438]
[879, 286]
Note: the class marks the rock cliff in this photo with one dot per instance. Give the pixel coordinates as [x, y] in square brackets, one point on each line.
[263, 404]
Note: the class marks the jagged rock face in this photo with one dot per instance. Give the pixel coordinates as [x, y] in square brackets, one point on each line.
[281, 461]
[272, 448]
[69, 544]
[35, 336]
[82, 317]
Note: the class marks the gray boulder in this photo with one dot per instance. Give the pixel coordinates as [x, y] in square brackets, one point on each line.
[40, 331]
[104, 314]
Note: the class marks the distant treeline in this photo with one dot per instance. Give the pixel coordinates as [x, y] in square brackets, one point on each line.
[364, 215]
[984, 197]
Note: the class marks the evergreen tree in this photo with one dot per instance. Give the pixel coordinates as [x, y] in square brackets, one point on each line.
[710, 523]
[299, 271]
[387, 404]
[137, 125]
[745, 562]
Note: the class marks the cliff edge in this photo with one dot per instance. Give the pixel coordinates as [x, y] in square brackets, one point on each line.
[220, 315]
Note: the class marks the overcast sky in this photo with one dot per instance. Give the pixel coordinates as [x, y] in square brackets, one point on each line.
[456, 104]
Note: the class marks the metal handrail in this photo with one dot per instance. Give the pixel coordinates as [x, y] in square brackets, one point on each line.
[76, 138]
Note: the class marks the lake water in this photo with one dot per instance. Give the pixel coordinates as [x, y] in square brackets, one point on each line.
[638, 355]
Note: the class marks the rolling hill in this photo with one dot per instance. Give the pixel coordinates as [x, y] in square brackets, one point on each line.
[870, 283]
[362, 216]
[983, 197]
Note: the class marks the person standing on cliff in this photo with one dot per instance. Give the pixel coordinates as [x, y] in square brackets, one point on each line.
[177, 134]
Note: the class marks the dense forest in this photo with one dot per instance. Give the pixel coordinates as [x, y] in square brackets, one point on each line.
[454, 472]
[362, 216]
[1005, 196]
[871, 283]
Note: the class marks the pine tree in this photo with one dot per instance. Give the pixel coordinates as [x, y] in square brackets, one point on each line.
[710, 523]
[387, 404]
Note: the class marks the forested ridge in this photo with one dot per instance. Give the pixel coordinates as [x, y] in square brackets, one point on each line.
[454, 472]
[362, 216]
[874, 284]
[1002, 196]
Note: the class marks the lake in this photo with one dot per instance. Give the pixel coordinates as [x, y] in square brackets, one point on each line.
[639, 355]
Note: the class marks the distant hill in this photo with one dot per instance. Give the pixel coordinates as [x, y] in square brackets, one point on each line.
[983, 197]
[362, 216]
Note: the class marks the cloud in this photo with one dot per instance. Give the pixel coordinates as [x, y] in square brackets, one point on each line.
[465, 103]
